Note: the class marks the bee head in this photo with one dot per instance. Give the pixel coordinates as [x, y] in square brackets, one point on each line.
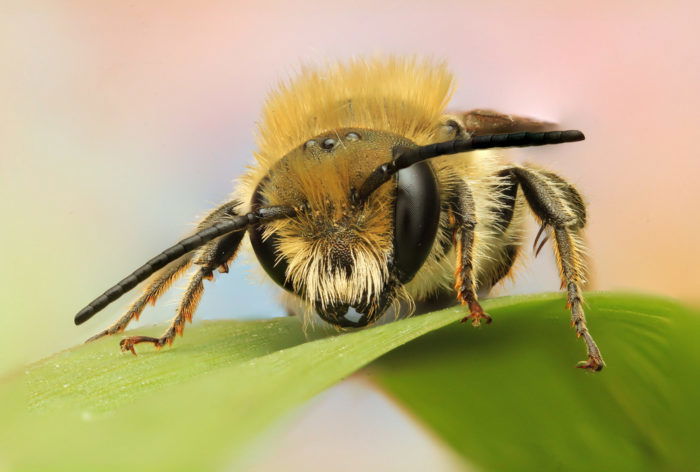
[346, 258]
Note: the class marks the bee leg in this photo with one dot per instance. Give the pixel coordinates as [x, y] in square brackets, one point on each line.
[568, 258]
[507, 192]
[462, 216]
[217, 254]
[187, 306]
[561, 210]
[161, 281]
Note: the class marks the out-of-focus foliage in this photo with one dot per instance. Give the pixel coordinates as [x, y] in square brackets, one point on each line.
[506, 397]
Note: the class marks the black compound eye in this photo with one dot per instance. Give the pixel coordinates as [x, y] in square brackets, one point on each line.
[328, 143]
[266, 252]
[266, 249]
[416, 218]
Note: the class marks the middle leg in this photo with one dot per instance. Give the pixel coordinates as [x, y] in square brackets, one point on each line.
[463, 219]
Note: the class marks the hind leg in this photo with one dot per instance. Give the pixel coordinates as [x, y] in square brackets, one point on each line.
[560, 208]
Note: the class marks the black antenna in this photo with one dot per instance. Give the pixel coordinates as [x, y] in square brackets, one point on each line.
[406, 157]
[236, 223]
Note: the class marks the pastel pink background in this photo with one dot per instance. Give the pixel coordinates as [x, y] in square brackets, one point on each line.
[121, 121]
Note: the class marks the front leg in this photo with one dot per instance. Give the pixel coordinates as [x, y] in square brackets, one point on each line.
[463, 219]
[561, 210]
[215, 255]
[161, 281]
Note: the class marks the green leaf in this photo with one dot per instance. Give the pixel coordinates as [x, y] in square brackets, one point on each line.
[193, 407]
[98, 378]
[505, 396]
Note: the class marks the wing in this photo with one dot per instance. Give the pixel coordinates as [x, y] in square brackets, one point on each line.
[484, 121]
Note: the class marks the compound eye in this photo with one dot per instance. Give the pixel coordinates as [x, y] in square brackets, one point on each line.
[266, 248]
[266, 252]
[416, 219]
[310, 143]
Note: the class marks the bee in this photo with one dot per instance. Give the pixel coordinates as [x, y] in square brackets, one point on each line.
[367, 194]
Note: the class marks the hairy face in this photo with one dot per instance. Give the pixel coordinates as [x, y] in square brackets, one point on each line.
[338, 254]
[339, 259]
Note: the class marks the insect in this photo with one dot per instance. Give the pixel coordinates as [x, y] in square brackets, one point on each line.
[367, 194]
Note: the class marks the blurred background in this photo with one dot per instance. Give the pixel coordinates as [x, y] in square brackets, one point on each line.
[121, 122]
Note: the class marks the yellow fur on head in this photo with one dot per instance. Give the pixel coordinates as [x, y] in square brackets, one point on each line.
[403, 96]
[406, 96]
[332, 229]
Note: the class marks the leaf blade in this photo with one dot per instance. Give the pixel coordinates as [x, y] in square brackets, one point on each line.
[225, 409]
[518, 406]
[203, 418]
